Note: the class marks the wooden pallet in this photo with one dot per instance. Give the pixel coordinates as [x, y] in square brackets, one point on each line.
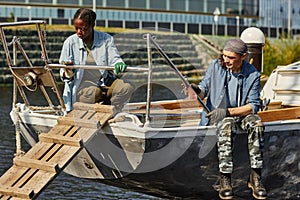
[32, 172]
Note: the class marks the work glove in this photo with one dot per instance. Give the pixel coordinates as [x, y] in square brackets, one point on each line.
[120, 67]
[196, 89]
[217, 115]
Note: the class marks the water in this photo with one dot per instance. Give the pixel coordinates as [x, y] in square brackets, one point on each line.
[64, 186]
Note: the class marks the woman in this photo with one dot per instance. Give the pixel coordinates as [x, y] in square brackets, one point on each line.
[90, 47]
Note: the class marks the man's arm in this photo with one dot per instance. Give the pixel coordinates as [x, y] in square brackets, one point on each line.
[240, 111]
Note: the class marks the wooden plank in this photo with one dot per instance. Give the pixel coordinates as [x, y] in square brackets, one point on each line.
[36, 164]
[65, 155]
[9, 177]
[39, 181]
[38, 150]
[59, 139]
[20, 181]
[280, 114]
[62, 129]
[103, 118]
[77, 113]
[163, 111]
[95, 107]
[86, 133]
[70, 121]
[17, 192]
[174, 104]
[82, 115]
[61, 154]
[90, 115]
[42, 178]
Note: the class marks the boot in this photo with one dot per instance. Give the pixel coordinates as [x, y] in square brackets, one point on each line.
[225, 186]
[255, 183]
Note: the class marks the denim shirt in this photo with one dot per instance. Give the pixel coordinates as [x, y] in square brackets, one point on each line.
[105, 54]
[214, 87]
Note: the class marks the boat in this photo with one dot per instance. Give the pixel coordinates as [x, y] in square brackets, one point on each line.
[157, 147]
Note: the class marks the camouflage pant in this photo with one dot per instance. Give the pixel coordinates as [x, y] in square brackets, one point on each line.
[226, 128]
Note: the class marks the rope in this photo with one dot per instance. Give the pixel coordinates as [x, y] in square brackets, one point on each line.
[19, 151]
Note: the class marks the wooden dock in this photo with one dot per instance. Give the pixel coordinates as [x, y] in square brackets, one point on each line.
[32, 172]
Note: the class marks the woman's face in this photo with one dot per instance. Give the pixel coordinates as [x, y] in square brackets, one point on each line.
[84, 30]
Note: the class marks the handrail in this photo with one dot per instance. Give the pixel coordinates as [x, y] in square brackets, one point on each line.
[32, 22]
[138, 69]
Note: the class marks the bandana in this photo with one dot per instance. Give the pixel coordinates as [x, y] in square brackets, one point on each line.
[236, 46]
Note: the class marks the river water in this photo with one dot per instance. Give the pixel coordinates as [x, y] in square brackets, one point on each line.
[63, 186]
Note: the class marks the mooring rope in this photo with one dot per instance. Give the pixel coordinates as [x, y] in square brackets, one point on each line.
[15, 111]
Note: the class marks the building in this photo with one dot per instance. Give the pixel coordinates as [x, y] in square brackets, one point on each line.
[222, 17]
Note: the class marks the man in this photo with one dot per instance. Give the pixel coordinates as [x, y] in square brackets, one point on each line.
[232, 88]
[90, 47]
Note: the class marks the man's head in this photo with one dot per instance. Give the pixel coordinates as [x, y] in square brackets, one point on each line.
[84, 22]
[234, 53]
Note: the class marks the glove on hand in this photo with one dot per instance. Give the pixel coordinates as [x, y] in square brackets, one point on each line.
[217, 115]
[196, 89]
[120, 67]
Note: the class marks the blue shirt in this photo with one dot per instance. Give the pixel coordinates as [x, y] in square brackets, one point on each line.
[105, 54]
[214, 86]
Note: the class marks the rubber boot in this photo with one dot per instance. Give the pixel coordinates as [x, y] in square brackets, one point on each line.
[255, 184]
[225, 186]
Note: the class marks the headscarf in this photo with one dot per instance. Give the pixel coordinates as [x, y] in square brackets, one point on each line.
[236, 45]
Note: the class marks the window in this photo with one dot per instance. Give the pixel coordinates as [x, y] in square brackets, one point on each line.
[116, 3]
[232, 7]
[213, 4]
[177, 5]
[196, 6]
[67, 2]
[137, 4]
[60, 13]
[250, 7]
[158, 4]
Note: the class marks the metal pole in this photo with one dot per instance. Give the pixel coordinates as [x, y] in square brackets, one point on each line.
[149, 85]
[237, 26]
[289, 18]
[172, 65]
[94, 5]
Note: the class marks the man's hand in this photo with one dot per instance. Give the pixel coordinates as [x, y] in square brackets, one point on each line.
[217, 115]
[193, 91]
[120, 67]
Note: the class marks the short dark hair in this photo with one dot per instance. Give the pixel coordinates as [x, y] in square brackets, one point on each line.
[85, 14]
